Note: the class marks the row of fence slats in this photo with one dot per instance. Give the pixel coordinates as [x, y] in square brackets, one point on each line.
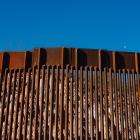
[54, 102]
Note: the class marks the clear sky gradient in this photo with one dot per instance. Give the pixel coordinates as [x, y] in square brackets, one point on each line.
[106, 24]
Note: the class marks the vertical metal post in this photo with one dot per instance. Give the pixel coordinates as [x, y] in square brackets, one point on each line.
[22, 104]
[27, 105]
[32, 101]
[3, 98]
[135, 105]
[91, 103]
[41, 102]
[36, 103]
[81, 103]
[17, 104]
[71, 105]
[116, 104]
[126, 104]
[76, 103]
[56, 102]
[7, 107]
[46, 103]
[130, 105]
[96, 104]
[67, 97]
[101, 107]
[51, 102]
[106, 104]
[11, 111]
[61, 102]
[111, 100]
[86, 102]
[121, 104]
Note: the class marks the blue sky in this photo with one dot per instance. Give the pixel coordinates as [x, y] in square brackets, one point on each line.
[112, 25]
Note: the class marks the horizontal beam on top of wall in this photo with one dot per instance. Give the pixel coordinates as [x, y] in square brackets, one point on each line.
[70, 56]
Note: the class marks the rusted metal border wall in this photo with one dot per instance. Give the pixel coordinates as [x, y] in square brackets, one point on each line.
[70, 56]
[67, 93]
[53, 102]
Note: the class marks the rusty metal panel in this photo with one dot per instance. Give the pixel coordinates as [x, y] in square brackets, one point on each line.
[17, 60]
[87, 57]
[125, 60]
[54, 56]
[106, 59]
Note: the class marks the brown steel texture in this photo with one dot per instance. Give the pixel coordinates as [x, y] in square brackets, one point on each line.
[58, 102]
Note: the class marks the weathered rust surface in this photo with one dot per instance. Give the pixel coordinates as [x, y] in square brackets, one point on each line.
[53, 102]
[70, 56]
[67, 93]
[19, 60]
